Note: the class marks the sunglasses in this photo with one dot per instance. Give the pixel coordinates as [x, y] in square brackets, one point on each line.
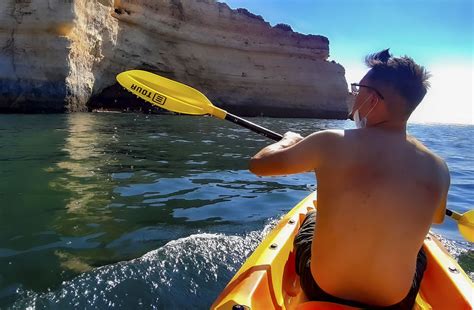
[355, 89]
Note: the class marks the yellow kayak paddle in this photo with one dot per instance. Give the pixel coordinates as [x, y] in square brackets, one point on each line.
[465, 223]
[177, 97]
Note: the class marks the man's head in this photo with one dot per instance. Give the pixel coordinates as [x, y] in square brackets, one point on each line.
[398, 82]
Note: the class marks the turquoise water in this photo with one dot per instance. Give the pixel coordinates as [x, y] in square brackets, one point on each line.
[130, 211]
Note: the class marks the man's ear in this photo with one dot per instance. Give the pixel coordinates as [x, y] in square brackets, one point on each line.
[375, 99]
[378, 100]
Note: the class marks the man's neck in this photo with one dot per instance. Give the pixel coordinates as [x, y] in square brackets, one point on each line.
[392, 126]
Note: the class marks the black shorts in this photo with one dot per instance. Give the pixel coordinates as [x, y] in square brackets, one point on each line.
[302, 245]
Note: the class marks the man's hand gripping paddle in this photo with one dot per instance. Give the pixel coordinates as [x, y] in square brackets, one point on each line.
[177, 97]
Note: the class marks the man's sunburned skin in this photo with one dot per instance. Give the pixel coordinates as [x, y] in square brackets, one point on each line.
[379, 190]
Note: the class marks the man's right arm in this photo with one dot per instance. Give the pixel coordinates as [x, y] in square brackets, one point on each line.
[305, 155]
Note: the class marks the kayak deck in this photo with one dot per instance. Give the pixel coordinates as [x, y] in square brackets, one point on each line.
[267, 280]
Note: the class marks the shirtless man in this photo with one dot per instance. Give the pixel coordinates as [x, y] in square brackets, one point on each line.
[379, 190]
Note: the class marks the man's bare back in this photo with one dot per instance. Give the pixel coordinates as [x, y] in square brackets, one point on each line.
[378, 193]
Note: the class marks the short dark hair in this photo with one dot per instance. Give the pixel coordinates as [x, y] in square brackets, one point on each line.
[409, 79]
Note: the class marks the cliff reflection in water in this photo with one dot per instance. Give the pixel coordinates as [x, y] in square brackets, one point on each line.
[88, 189]
[83, 163]
[126, 175]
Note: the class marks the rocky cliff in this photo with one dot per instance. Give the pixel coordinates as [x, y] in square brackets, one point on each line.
[63, 55]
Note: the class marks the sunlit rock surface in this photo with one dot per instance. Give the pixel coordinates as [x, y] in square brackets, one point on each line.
[63, 55]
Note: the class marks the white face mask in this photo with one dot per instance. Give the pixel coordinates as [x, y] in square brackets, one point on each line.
[362, 123]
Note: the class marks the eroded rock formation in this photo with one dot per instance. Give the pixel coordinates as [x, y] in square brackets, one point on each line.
[63, 55]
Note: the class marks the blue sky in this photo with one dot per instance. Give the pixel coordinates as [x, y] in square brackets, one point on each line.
[436, 33]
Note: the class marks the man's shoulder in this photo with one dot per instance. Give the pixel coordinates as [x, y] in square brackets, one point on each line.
[436, 163]
[327, 136]
[422, 149]
[331, 132]
[324, 142]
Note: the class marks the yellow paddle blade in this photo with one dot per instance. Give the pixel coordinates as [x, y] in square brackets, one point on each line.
[466, 225]
[176, 97]
[167, 94]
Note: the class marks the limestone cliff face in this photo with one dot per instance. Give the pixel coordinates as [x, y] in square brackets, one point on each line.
[57, 55]
[33, 54]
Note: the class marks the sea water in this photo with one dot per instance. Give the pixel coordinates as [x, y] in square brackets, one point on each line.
[145, 211]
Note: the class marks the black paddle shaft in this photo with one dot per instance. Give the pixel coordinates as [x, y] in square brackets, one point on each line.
[451, 213]
[254, 127]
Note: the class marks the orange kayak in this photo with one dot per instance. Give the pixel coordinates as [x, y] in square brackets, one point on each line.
[267, 280]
